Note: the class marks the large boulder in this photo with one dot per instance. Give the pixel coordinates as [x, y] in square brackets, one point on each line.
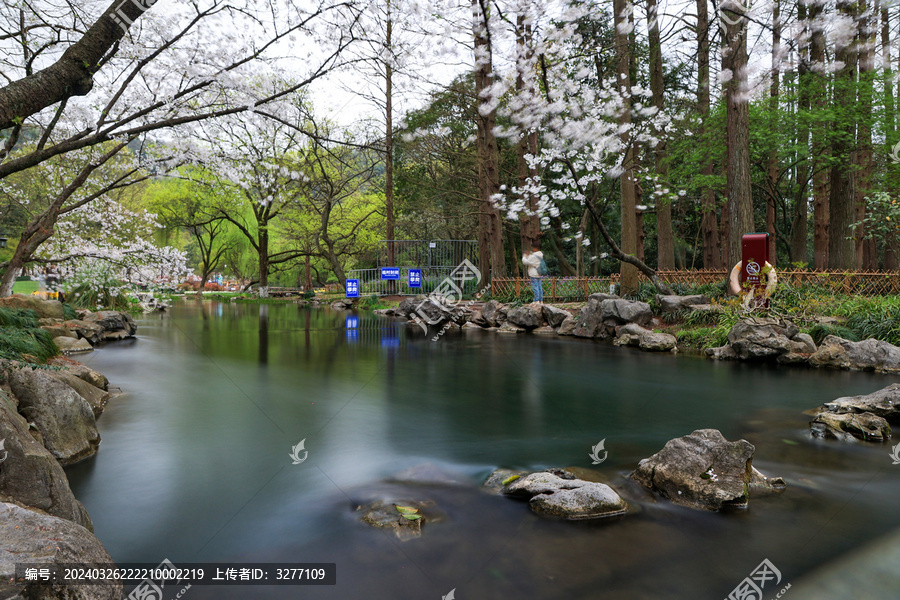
[92, 332]
[36, 538]
[407, 306]
[760, 339]
[633, 334]
[884, 403]
[70, 345]
[847, 426]
[494, 313]
[672, 303]
[50, 309]
[702, 470]
[529, 316]
[620, 312]
[64, 419]
[115, 324]
[589, 322]
[29, 474]
[867, 355]
[554, 316]
[82, 371]
[96, 397]
[568, 326]
[551, 494]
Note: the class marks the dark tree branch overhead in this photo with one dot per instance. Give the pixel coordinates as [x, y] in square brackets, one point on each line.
[71, 75]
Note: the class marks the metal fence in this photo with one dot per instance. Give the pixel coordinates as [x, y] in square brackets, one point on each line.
[574, 289]
[419, 254]
[371, 283]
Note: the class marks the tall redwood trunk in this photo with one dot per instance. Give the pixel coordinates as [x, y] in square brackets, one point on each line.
[842, 200]
[734, 62]
[799, 229]
[820, 150]
[624, 21]
[490, 235]
[773, 154]
[866, 251]
[712, 250]
[665, 235]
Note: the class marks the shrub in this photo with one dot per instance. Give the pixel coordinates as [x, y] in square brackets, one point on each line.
[29, 344]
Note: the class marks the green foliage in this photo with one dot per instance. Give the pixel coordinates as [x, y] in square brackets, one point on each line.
[30, 344]
[85, 295]
[370, 303]
[18, 317]
[69, 312]
[308, 295]
[820, 331]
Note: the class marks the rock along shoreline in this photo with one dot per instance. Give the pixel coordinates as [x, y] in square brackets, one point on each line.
[48, 420]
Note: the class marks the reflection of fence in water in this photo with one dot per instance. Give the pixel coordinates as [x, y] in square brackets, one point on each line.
[573, 289]
[387, 334]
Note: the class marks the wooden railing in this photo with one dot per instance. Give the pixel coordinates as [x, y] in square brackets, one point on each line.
[573, 289]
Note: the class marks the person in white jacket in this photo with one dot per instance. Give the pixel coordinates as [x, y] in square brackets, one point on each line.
[532, 260]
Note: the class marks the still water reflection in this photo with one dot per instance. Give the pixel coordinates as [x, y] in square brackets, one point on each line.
[195, 462]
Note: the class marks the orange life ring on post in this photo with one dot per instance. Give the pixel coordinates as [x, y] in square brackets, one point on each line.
[734, 283]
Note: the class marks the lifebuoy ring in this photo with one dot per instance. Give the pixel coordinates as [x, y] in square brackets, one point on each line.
[734, 283]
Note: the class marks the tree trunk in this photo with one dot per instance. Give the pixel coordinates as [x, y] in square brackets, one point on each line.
[628, 273]
[263, 260]
[664, 234]
[389, 147]
[866, 251]
[820, 150]
[799, 229]
[773, 154]
[734, 62]
[529, 222]
[842, 201]
[491, 234]
[712, 251]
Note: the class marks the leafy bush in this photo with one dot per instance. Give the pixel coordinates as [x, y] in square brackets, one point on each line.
[370, 303]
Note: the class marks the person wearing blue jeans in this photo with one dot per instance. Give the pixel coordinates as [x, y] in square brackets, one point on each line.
[532, 260]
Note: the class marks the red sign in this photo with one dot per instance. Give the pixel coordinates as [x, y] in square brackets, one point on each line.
[754, 256]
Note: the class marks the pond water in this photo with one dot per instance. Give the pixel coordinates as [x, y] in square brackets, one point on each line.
[195, 461]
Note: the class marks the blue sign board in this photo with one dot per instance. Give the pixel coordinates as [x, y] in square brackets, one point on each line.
[353, 288]
[415, 278]
[392, 273]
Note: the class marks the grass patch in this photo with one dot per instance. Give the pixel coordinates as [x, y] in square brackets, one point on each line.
[25, 287]
[28, 344]
[22, 318]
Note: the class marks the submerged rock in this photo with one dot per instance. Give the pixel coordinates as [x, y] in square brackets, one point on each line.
[702, 470]
[404, 518]
[884, 403]
[30, 536]
[864, 426]
[551, 494]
